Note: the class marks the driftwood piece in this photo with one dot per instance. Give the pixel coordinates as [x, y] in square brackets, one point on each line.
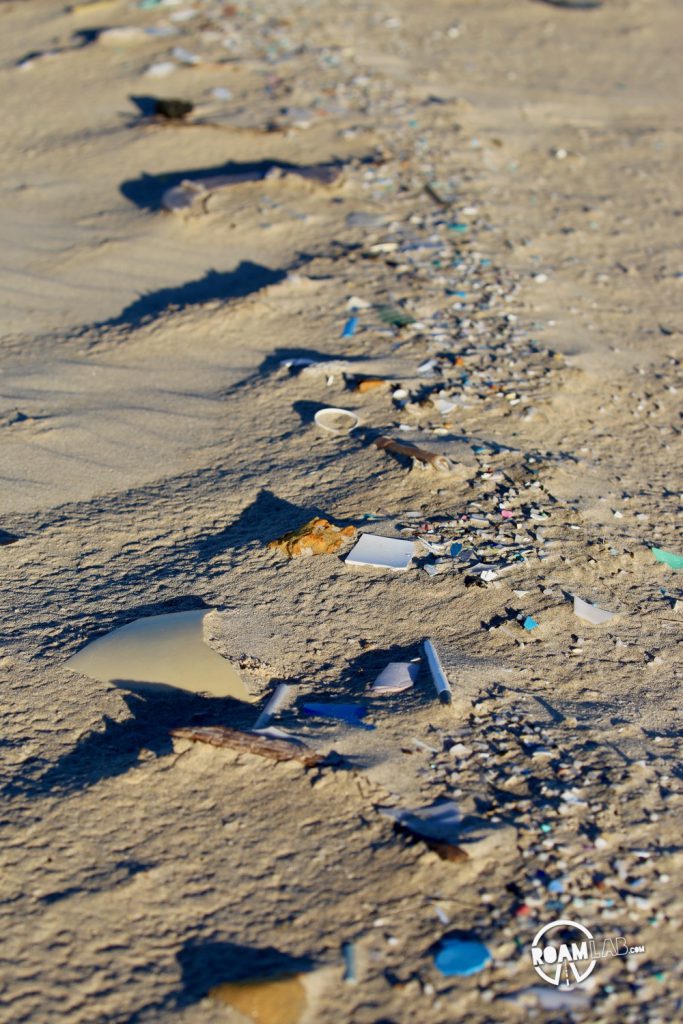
[236, 739]
[439, 462]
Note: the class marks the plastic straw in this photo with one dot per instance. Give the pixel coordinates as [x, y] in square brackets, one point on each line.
[443, 687]
[273, 706]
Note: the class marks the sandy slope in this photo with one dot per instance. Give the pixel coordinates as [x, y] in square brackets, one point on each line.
[152, 444]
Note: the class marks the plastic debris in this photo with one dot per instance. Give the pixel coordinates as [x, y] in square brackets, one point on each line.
[161, 650]
[444, 406]
[183, 196]
[461, 954]
[350, 963]
[668, 558]
[272, 732]
[591, 613]
[350, 327]
[185, 56]
[443, 687]
[395, 677]
[352, 714]
[364, 384]
[439, 821]
[316, 537]
[382, 552]
[122, 35]
[395, 317]
[336, 421]
[161, 69]
[220, 92]
[453, 837]
[471, 369]
[275, 704]
[279, 1000]
[548, 998]
[364, 219]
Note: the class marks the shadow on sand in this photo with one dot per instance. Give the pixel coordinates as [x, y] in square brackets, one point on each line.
[224, 286]
[207, 964]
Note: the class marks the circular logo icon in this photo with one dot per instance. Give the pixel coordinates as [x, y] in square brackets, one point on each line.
[563, 953]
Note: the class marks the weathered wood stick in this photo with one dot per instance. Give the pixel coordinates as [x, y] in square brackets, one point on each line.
[236, 739]
[439, 462]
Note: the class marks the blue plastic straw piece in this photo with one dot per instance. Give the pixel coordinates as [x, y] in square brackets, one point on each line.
[350, 327]
[350, 966]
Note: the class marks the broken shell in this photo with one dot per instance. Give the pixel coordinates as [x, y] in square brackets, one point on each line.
[336, 421]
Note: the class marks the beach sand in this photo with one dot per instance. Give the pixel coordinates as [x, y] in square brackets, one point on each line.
[507, 179]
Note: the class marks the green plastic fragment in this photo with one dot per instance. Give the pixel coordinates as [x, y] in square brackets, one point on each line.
[395, 317]
[668, 558]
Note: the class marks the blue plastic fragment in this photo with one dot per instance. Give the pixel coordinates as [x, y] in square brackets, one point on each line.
[556, 886]
[529, 623]
[350, 967]
[456, 548]
[350, 327]
[461, 955]
[352, 714]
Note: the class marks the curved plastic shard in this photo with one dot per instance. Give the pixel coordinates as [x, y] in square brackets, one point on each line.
[669, 558]
[161, 650]
[591, 613]
[460, 954]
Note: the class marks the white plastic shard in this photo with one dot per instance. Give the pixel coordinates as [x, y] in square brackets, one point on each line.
[122, 35]
[336, 421]
[182, 196]
[161, 650]
[439, 677]
[591, 613]
[274, 733]
[161, 69]
[277, 701]
[440, 821]
[395, 677]
[382, 552]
